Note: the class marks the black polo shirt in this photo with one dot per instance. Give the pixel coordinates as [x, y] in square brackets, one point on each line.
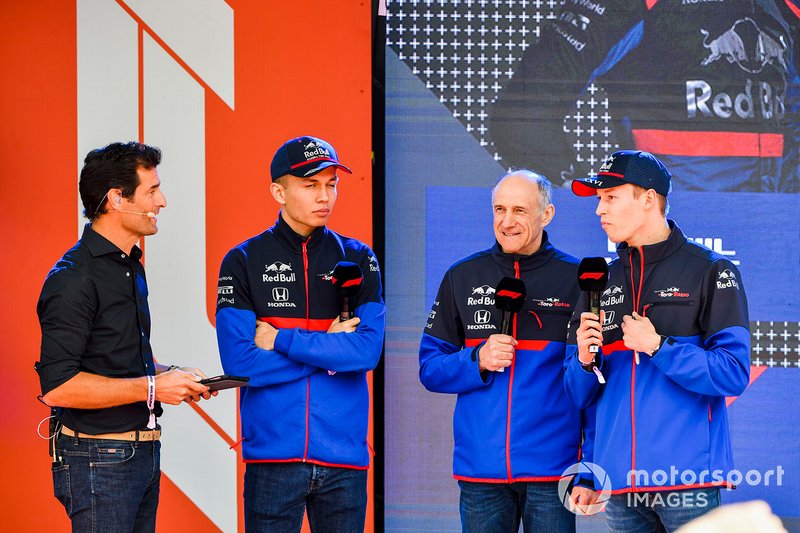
[94, 318]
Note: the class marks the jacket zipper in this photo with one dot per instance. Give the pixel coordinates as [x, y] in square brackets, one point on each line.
[308, 378]
[510, 388]
[637, 294]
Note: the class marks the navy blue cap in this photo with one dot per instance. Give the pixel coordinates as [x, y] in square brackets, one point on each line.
[627, 166]
[304, 157]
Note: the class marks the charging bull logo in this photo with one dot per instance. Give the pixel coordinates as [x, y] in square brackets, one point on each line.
[614, 289]
[277, 266]
[746, 45]
[727, 279]
[482, 295]
[614, 296]
[373, 264]
[483, 290]
[278, 272]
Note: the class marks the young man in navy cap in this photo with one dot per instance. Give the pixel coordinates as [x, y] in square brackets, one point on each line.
[675, 341]
[305, 412]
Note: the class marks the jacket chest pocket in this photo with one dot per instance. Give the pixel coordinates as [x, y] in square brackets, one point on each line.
[546, 323]
[673, 317]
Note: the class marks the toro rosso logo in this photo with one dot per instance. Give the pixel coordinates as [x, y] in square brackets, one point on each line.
[671, 292]
[552, 301]
[746, 45]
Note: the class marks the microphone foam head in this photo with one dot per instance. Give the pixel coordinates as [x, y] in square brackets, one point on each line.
[347, 277]
[592, 274]
[150, 214]
[510, 294]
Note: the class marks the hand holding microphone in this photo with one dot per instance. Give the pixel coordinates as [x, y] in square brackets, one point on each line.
[592, 278]
[498, 352]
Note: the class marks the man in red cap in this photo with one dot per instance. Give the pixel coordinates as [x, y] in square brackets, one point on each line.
[675, 340]
[306, 409]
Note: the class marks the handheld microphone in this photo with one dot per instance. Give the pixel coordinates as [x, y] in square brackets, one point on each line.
[347, 278]
[592, 278]
[509, 297]
[148, 214]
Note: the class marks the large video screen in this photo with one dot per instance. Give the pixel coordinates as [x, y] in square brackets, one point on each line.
[476, 87]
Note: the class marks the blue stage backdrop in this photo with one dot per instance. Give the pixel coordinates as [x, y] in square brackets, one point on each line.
[474, 87]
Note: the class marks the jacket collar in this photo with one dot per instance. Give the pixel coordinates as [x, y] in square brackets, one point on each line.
[526, 262]
[294, 241]
[658, 251]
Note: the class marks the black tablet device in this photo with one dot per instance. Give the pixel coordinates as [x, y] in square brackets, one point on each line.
[225, 382]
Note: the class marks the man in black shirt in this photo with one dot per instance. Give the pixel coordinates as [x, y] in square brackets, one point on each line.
[96, 367]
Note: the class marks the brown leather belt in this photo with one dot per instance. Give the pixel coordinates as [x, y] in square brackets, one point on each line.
[132, 436]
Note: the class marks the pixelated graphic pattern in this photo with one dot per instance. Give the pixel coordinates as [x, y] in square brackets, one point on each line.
[775, 344]
[466, 50]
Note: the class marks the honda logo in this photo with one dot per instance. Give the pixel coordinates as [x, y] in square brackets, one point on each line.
[609, 318]
[280, 294]
[482, 316]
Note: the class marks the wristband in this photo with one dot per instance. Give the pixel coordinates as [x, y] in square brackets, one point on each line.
[591, 366]
[587, 366]
[151, 401]
[660, 344]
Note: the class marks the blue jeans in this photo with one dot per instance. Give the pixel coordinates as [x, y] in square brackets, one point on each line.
[499, 507]
[658, 511]
[108, 486]
[275, 495]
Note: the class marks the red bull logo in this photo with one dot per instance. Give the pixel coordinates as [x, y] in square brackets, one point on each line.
[750, 48]
[746, 45]
[760, 99]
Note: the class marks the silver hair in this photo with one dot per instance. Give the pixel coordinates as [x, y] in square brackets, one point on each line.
[541, 182]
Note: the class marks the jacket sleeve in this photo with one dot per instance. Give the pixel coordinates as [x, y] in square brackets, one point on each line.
[581, 386]
[236, 329]
[358, 351]
[720, 366]
[586, 475]
[445, 363]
